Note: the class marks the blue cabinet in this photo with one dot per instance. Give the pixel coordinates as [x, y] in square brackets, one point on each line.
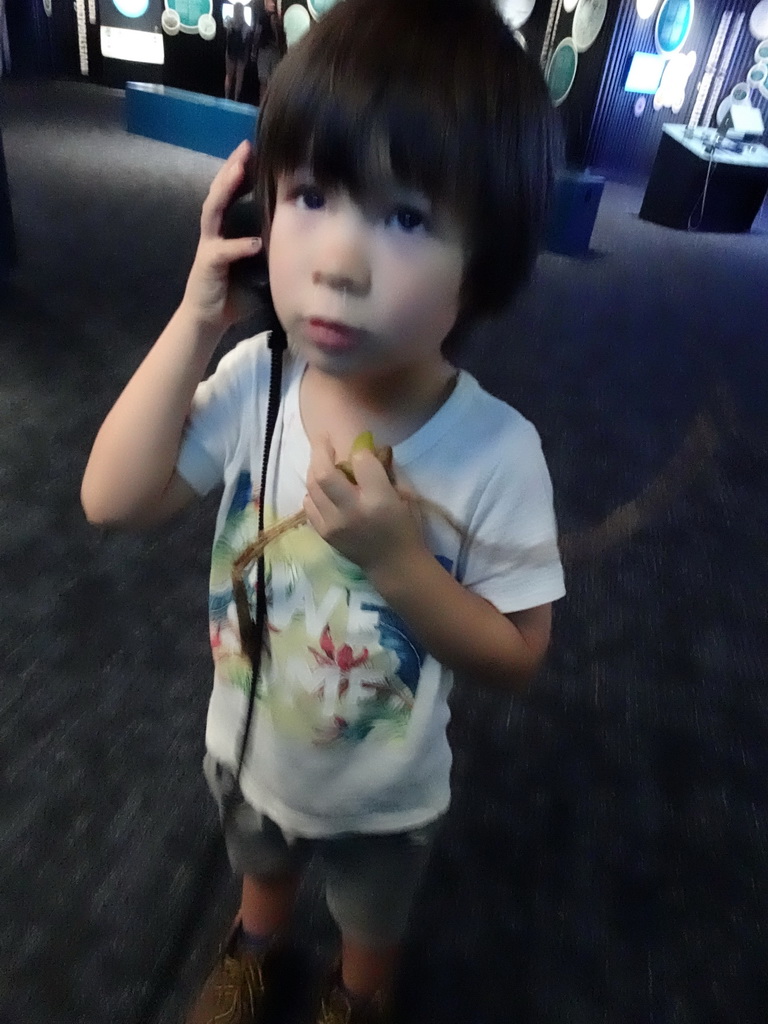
[574, 211]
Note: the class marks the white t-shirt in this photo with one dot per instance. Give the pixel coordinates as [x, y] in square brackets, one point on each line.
[349, 730]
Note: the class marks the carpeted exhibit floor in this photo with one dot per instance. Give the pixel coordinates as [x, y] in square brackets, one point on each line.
[605, 860]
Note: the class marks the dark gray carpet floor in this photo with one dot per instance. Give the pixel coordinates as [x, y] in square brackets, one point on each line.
[605, 860]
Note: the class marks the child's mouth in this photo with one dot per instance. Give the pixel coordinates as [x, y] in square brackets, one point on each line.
[331, 336]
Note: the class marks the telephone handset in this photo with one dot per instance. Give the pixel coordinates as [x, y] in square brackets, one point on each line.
[242, 219]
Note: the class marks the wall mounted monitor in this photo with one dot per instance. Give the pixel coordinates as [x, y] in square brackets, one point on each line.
[644, 73]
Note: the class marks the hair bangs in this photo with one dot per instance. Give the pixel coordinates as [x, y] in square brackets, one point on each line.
[433, 96]
[342, 113]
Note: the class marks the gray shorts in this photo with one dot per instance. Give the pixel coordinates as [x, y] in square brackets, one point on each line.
[370, 880]
[267, 59]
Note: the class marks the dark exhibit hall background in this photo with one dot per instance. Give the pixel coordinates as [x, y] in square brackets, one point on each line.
[605, 858]
[604, 129]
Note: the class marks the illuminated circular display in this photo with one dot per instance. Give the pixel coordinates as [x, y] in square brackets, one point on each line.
[516, 12]
[757, 75]
[758, 20]
[206, 26]
[758, 79]
[673, 25]
[587, 22]
[317, 8]
[131, 8]
[170, 22]
[561, 70]
[295, 23]
[740, 93]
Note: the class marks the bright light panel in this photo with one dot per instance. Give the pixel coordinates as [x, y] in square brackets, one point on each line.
[645, 73]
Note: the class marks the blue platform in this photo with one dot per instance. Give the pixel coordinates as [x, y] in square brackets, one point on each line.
[190, 119]
[577, 200]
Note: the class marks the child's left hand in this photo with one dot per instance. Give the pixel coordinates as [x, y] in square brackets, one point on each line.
[367, 522]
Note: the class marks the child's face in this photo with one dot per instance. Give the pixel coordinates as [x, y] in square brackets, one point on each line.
[363, 289]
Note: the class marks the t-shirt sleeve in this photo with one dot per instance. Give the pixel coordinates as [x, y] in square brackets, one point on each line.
[217, 417]
[512, 557]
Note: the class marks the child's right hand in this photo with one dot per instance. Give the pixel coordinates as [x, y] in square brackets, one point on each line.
[208, 295]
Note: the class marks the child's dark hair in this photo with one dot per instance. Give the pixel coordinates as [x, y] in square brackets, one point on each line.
[440, 96]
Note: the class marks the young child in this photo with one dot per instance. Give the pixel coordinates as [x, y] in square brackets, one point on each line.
[404, 163]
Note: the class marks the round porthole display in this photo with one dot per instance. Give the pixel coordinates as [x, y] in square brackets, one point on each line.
[758, 20]
[740, 93]
[132, 8]
[317, 8]
[295, 23]
[673, 25]
[587, 22]
[758, 79]
[206, 26]
[516, 12]
[561, 70]
[761, 53]
[757, 75]
[170, 22]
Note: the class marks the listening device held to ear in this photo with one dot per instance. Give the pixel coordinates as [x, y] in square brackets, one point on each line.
[242, 219]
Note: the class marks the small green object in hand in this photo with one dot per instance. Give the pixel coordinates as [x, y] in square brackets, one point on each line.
[365, 442]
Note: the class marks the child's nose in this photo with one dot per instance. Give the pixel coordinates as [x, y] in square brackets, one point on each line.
[341, 259]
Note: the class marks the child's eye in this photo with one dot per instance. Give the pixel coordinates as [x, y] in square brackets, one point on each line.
[408, 219]
[310, 197]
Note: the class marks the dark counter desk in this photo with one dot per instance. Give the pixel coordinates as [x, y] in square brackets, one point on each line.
[735, 191]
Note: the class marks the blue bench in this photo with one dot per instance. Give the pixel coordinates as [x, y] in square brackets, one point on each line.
[190, 119]
[577, 200]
